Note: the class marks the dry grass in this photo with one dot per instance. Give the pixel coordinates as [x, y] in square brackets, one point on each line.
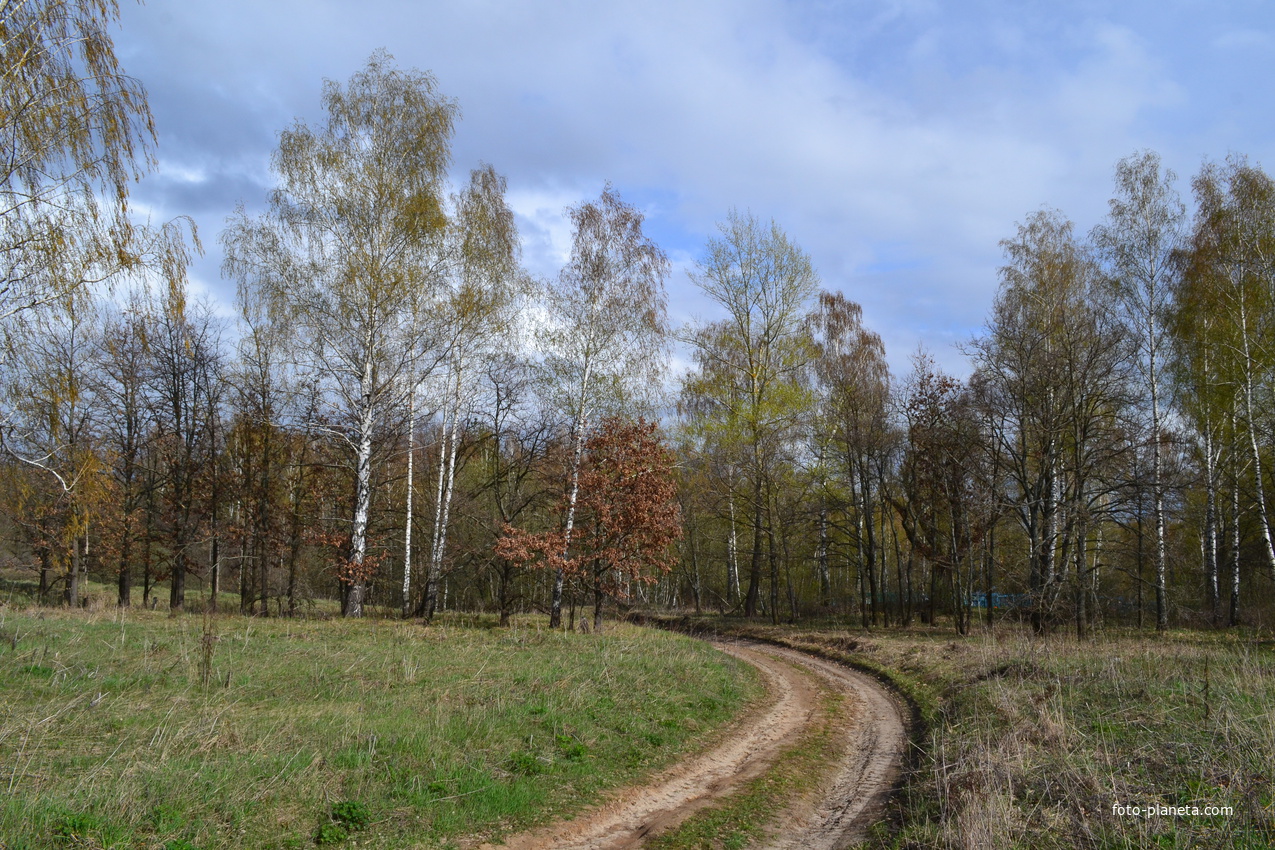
[1031, 742]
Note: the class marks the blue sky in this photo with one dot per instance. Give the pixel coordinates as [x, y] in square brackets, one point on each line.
[896, 142]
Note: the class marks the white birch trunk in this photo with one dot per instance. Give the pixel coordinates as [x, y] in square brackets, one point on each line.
[1233, 618]
[573, 494]
[1210, 523]
[431, 574]
[357, 581]
[732, 557]
[436, 565]
[407, 525]
[1252, 437]
[1052, 521]
[362, 508]
[1157, 510]
[825, 584]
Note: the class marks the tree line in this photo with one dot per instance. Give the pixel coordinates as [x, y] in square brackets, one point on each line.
[1108, 458]
[401, 417]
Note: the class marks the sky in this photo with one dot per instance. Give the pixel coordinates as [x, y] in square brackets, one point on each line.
[896, 141]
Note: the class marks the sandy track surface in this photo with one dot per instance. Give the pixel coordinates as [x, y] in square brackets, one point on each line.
[872, 730]
[870, 723]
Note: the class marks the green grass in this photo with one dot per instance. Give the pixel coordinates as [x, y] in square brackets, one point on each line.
[1030, 742]
[137, 730]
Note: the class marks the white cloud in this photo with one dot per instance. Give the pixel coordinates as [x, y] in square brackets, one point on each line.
[897, 143]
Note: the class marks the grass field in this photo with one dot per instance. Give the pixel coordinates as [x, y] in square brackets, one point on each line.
[135, 730]
[1035, 743]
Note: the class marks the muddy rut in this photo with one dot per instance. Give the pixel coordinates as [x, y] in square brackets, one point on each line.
[869, 724]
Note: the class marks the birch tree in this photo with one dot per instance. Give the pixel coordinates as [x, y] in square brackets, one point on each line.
[1206, 396]
[482, 284]
[1054, 365]
[1232, 255]
[605, 333]
[1142, 231]
[350, 251]
[852, 380]
[75, 132]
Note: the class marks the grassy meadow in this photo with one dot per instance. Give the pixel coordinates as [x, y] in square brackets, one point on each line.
[134, 730]
[1027, 742]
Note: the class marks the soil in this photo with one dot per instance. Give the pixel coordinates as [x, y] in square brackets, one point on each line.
[850, 799]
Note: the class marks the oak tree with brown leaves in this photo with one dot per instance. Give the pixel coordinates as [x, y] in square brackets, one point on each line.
[627, 517]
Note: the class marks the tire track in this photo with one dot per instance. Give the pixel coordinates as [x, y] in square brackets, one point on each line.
[874, 736]
[870, 723]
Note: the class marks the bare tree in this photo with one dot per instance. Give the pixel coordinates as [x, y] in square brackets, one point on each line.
[186, 385]
[1055, 365]
[123, 362]
[257, 440]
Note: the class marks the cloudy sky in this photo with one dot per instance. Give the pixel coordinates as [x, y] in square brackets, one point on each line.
[896, 141]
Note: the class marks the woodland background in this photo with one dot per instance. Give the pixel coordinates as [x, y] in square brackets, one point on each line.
[404, 420]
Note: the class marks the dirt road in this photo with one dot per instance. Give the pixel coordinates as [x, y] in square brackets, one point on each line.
[870, 723]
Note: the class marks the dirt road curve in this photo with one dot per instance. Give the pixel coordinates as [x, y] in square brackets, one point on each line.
[870, 724]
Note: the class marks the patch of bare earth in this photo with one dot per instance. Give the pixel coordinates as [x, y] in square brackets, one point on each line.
[852, 797]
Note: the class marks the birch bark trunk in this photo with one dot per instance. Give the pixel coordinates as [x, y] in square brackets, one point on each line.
[407, 524]
[356, 583]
